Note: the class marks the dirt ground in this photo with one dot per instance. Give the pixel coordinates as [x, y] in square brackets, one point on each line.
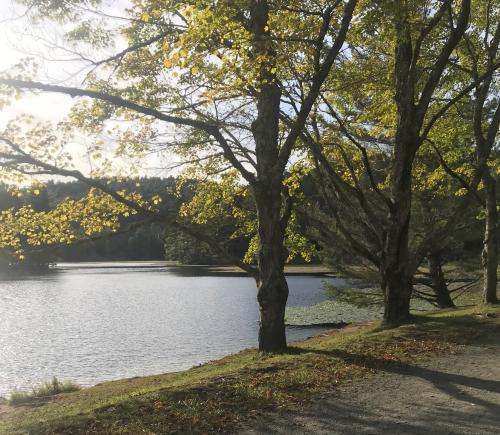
[456, 394]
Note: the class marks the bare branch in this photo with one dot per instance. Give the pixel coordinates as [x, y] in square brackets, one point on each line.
[316, 84]
[441, 112]
[212, 130]
[442, 60]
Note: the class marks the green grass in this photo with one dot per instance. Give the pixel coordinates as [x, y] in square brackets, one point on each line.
[217, 396]
[46, 389]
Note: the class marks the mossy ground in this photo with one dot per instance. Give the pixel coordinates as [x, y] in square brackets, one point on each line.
[215, 397]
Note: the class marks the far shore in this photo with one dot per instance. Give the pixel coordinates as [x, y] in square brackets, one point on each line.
[199, 269]
[291, 270]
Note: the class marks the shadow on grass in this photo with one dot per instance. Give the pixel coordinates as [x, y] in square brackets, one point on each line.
[212, 408]
[467, 404]
[219, 403]
[453, 328]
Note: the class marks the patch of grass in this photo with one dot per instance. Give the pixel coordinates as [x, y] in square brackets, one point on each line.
[46, 389]
[217, 396]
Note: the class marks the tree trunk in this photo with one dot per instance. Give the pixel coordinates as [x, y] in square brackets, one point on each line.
[443, 297]
[412, 101]
[397, 297]
[272, 286]
[271, 283]
[396, 273]
[490, 247]
[395, 267]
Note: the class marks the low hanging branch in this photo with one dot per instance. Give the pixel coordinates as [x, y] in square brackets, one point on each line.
[152, 215]
[117, 101]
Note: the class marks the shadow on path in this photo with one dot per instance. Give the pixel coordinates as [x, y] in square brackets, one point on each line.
[455, 394]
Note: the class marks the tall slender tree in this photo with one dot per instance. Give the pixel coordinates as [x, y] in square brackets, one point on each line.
[483, 50]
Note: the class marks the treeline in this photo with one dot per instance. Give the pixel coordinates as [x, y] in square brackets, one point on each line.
[136, 241]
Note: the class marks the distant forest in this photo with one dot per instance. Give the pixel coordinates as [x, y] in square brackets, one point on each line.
[146, 242]
[155, 241]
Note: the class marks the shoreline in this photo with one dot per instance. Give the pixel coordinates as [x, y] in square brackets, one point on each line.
[221, 394]
[198, 269]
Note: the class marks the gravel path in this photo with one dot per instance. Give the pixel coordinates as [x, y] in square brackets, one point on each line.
[456, 394]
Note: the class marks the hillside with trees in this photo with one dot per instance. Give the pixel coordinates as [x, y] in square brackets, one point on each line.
[135, 241]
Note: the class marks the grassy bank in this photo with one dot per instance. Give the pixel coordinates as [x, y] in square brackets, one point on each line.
[218, 395]
[46, 389]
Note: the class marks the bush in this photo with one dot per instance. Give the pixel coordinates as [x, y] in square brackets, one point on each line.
[46, 389]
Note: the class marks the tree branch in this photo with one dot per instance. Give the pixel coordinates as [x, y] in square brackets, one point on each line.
[316, 85]
[442, 60]
[455, 99]
[210, 129]
[152, 214]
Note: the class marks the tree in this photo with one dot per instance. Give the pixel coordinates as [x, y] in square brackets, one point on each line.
[381, 123]
[235, 73]
[414, 91]
[481, 112]
[483, 50]
[436, 194]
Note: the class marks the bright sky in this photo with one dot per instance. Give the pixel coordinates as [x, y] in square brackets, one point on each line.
[19, 39]
[15, 44]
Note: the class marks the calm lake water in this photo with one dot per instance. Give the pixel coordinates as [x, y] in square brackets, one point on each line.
[91, 322]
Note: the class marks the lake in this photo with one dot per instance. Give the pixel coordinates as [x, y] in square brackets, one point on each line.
[92, 322]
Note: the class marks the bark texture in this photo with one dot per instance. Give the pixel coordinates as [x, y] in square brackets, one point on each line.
[271, 283]
[490, 247]
[272, 286]
[439, 285]
[396, 273]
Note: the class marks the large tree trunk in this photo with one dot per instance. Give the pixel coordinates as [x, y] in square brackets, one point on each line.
[272, 286]
[443, 297]
[396, 270]
[397, 297]
[396, 274]
[490, 247]
[397, 281]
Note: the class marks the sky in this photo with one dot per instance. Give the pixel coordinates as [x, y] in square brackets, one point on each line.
[20, 39]
[15, 44]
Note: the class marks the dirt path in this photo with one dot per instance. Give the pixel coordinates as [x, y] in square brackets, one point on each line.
[456, 394]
